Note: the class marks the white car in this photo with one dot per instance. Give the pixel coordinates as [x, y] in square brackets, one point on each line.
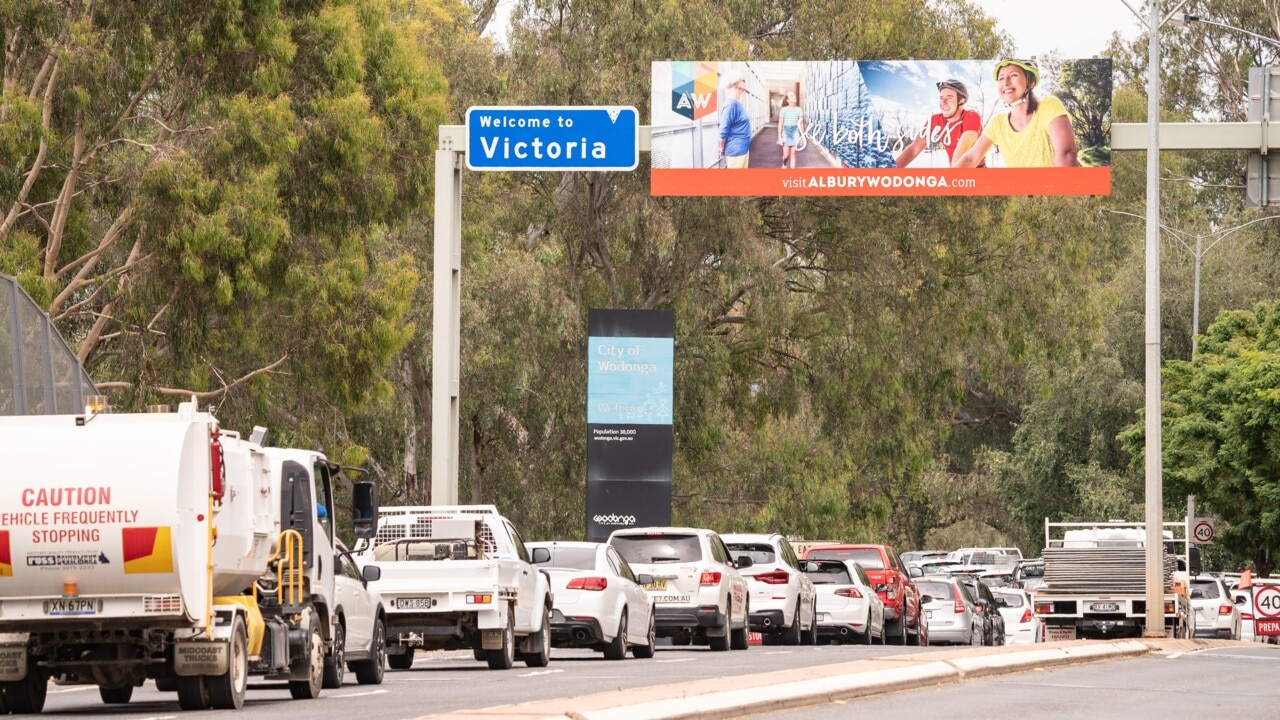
[849, 608]
[360, 633]
[697, 591]
[597, 600]
[1217, 614]
[783, 601]
[1021, 624]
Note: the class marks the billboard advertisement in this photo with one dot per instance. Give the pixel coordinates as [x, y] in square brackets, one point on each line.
[939, 127]
[630, 368]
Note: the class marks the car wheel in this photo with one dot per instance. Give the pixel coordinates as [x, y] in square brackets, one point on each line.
[335, 666]
[504, 657]
[617, 649]
[791, 635]
[721, 643]
[371, 671]
[740, 639]
[647, 650]
[541, 642]
[810, 636]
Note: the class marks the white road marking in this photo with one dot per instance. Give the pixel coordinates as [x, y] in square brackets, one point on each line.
[78, 688]
[779, 652]
[677, 660]
[539, 672]
[361, 694]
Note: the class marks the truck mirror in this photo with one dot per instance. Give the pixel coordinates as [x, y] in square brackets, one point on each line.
[364, 510]
[1193, 561]
[540, 555]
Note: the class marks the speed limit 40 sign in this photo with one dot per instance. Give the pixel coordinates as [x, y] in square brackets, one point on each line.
[1202, 530]
[1266, 603]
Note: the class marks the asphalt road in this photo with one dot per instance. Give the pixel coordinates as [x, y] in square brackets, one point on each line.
[1226, 682]
[449, 681]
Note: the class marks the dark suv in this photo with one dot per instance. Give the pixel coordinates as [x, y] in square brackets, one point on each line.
[988, 605]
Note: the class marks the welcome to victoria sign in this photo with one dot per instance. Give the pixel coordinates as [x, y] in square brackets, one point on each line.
[861, 117]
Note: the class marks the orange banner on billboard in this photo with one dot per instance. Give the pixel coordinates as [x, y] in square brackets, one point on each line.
[691, 182]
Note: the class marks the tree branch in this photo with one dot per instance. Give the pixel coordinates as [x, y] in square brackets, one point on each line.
[226, 387]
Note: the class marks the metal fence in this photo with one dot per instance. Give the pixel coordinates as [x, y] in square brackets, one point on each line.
[39, 374]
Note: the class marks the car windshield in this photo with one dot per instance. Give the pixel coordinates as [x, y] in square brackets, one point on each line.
[1208, 587]
[832, 572]
[661, 548]
[868, 558]
[760, 553]
[1012, 600]
[934, 589]
[575, 558]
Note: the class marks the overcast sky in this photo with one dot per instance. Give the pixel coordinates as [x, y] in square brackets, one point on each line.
[1077, 28]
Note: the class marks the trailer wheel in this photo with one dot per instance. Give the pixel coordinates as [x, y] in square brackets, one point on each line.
[309, 689]
[193, 693]
[226, 691]
[116, 695]
[25, 696]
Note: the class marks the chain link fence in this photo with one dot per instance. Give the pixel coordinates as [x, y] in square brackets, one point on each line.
[39, 374]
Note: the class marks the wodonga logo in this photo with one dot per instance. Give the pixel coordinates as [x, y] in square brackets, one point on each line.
[623, 520]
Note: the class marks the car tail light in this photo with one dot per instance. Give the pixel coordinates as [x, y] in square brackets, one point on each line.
[1246, 616]
[1044, 608]
[891, 593]
[959, 606]
[849, 592]
[1168, 608]
[777, 577]
[1225, 609]
[1026, 616]
[591, 583]
[710, 578]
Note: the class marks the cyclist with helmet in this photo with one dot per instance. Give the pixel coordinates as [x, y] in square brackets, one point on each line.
[1034, 133]
[956, 127]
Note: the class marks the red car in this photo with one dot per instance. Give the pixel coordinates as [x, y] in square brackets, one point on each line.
[901, 599]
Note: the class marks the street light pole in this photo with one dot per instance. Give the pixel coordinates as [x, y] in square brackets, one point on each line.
[1154, 517]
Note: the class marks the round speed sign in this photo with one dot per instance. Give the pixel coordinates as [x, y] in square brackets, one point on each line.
[1266, 599]
[1203, 531]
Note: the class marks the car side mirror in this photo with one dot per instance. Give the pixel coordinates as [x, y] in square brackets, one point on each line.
[643, 579]
[540, 555]
[371, 573]
[1240, 600]
[364, 510]
[915, 572]
[745, 562]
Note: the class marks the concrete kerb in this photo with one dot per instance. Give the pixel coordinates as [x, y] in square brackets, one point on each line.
[774, 691]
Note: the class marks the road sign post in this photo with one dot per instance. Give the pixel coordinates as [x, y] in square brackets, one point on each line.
[1266, 610]
[1202, 531]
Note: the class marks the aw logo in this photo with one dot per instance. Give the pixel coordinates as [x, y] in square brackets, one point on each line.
[693, 88]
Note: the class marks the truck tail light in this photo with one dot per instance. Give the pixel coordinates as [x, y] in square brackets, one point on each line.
[1026, 616]
[710, 578]
[479, 598]
[1045, 608]
[777, 577]
[591, 583]
[849, 592]
[1168, 608]
[1225, 609]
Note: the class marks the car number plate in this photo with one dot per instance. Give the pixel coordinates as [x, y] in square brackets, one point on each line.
[928, 614]
[1104, 607]
[72, 606]
[416, 603]
[656, 586]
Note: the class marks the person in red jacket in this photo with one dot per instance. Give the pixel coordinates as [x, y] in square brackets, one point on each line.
[955, 127]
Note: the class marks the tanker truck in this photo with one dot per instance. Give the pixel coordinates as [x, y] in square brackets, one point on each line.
[162, 546]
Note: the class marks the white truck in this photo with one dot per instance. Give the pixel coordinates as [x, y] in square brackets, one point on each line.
[456, 577]
[160, 545]
[1095, 580]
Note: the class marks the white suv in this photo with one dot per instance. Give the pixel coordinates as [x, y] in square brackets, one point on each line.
[783, 600]
[697, 590]
[1217, 614]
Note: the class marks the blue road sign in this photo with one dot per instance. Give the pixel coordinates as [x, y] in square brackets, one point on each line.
[553, 138]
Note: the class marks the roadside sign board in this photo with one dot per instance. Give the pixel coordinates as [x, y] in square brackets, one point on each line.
[1266, 627]
[538, 138]
[1266, 610]
[1202, 530]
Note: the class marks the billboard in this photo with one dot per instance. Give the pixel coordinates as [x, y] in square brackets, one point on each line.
[940, 127]
[630, 368]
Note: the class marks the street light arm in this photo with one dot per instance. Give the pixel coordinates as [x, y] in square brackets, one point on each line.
[1197, 19]
[1177, 234]
[1224, 234]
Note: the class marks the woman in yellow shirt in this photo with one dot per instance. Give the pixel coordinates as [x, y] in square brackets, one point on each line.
[1034, 133]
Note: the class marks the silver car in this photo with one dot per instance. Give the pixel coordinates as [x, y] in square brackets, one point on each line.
[950, 611]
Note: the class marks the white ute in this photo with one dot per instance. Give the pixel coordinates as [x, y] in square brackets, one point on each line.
[456, 577]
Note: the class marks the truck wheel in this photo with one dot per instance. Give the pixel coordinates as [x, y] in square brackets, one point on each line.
[477, 652]
[617, 650]
[403, 661]
[541, 642]
[313, 665]
[335, 665]
[504, 657]
[115, 695]
[166, 684]
[226, 691]
[25, 696]
[193, 693]
[370, 672]
[647, 650]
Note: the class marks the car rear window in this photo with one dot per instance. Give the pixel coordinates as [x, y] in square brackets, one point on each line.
[1011, 599]
[828, 573]
[760, 553]
[936, 590]
[573, 557]
[646, 549]
[868, 558]
[1209, 588]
